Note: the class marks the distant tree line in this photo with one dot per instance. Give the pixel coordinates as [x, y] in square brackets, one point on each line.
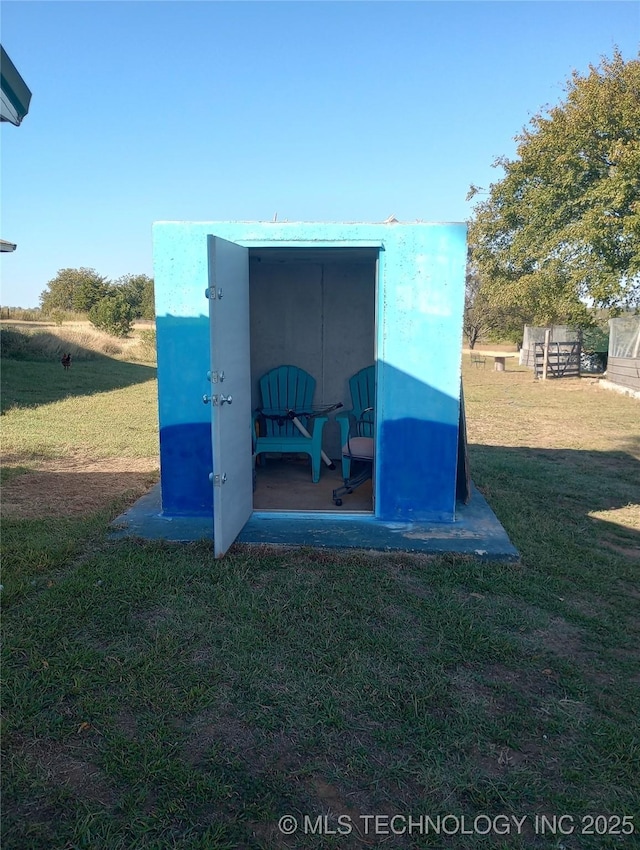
[111, 306]
[21, 314]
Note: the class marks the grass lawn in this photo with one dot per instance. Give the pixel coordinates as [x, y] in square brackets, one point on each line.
[156, 698]
[97, 406]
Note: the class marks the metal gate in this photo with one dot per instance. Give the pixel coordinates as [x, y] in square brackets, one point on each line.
[563, 359]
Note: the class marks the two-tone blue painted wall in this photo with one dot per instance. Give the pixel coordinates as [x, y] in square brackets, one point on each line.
[418, 335]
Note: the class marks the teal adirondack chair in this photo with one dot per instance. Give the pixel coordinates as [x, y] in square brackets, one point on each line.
[362, 386]
[283, 389]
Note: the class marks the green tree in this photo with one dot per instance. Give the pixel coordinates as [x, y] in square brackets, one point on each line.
[74, 289]
[90, 291]
[561, 230]
[483, 319]
[112, 314]
[138, 290]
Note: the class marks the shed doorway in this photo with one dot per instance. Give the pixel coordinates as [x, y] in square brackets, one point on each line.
[313, 308]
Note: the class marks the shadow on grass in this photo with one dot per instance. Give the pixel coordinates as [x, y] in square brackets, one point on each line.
[49, 517]
[563, 507]
[30, 383]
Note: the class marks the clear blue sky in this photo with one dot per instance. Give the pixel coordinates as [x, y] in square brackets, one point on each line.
[325, 111]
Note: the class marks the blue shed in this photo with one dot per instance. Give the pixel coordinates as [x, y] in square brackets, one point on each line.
[237, 299]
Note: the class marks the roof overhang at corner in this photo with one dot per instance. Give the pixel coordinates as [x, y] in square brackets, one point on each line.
[7, 246]
[15, 95]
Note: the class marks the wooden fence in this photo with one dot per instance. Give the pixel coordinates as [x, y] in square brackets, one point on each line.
[624, 371]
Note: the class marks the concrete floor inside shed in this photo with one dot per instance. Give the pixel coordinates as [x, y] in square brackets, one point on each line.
[284, 484]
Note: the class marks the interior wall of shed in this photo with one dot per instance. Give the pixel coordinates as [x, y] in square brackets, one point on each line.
[315, 309]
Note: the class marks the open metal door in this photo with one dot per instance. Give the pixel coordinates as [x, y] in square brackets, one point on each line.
[230, 397]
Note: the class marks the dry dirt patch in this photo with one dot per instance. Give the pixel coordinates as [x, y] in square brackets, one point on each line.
[68, 766]
[74, 485]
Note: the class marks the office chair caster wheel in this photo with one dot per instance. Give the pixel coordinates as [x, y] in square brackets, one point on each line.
[338, 502]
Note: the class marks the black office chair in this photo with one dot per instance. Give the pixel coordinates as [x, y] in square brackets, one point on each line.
[359, 449]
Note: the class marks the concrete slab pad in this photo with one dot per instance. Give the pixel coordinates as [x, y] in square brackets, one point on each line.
[618, 388]
[476, 531]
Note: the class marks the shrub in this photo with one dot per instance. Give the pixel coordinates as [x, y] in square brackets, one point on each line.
[112, 314]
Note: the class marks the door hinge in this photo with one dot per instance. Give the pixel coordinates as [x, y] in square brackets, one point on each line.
[213, 293]
[217, 480]
[216, 377]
